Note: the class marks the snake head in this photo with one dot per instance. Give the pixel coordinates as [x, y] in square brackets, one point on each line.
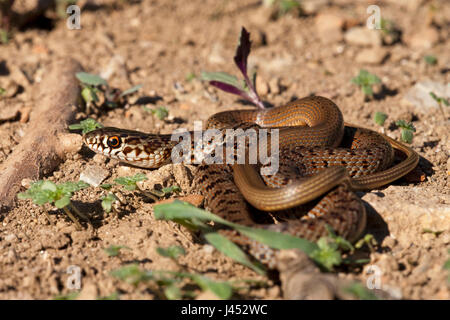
[136, 148]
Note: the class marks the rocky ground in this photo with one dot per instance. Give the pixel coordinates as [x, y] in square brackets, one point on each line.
[164, 46]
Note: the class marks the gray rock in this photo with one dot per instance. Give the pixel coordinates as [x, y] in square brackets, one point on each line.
[419, 94]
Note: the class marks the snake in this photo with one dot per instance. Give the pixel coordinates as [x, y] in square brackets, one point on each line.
[323, 161]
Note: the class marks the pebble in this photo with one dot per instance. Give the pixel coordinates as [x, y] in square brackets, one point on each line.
[423, 39]
[329, 27]
[274, 86]
[94, 175]
[262, 87]
[371, 56]
[99, 158]
[310, 7]
[419, 94]
[10, 237]
[362, 36]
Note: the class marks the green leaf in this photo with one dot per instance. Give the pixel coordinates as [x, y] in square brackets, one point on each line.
[48, 185]
[114, 251]
[86, 126]
[61, 203]
[405, 125]
[172, 292]
[132, 274]
[222, 290]
[230, 249]
[276, 240]
[89, 95]
[328, 254]
[380, 118]
[172, 252]
[407, 135]
[129, 183]
[106, 186]
[131, 90]
[90, 79]
[431, 60]
[359, 291]
[222, 77]
[171, 189]
[2, 91]
[108, 201]
[70, 296]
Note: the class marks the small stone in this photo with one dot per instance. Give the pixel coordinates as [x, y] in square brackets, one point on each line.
[389, 242]
[10, 237]
[329, 27]
[99, 158]
[362, 36]
[419, 94]
[94, 175]
[274, 86]
[26, 182]
[70, 142]
[311, 7]
[262, 87]
[216, 54]
[208, 249]
[423, 39]
[371, 56]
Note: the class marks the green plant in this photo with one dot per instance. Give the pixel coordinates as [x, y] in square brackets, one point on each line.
[190, 76]
[283, 6]
[447, 267]
[390, 32]
[114, 251]
[361, 292]
[107, 202]
[160, 112]
[172, 252]
[430, 59]
[86, 126]
[2, 91]
[170, 284]
[43, 191]
[93, 85]
[440, 101]
[4, 36]
[129, 183]
[366, 80]
[325, 253]
[244, 88]
[406, 129]
[379, 118]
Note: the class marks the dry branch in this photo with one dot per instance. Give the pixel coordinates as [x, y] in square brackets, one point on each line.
[40, 150]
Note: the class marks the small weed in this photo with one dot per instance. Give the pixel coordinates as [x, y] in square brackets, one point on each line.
[114, 251]
[366, 80]
[86, 126]
[129, 183]
[430, 60]
[43, 191]
[379, 118]
[160, 112]
[406, 129]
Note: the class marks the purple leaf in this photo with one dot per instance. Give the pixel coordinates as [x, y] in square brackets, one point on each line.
[242, 51]
[229, 88]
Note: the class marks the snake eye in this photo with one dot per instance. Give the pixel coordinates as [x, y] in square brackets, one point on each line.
[114, 142]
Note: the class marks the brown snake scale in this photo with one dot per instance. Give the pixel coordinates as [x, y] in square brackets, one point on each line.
[322, 161]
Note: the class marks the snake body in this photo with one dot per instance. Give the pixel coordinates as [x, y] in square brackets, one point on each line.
[321, 158]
